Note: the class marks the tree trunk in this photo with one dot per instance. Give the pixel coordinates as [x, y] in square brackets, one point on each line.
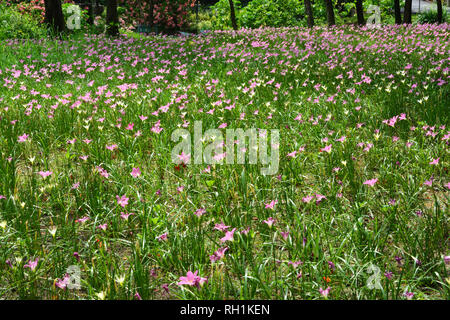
[360, 12]
[150, 16]
[398, 16]
[407, 13]
[112, 18]
[91, 13]
[439, 11]
[330, 12]
[54, 16]
[233, 15]
[309, 13]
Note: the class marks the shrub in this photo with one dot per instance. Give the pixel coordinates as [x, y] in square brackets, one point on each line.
[430, 16]
[221, 14]
[272, 13]
[169, 15]
[14, 25]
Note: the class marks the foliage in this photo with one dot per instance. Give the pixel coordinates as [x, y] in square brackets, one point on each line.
[14, 25]
[430, 16]
[272, 13]
[202, 21]
[169, 15]
[32, 8]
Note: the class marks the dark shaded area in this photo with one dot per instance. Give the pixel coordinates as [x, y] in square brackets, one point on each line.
[112, 18]
[54, 16]
[360, 12]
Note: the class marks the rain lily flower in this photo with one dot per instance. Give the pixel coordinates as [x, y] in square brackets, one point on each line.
[435, 161]
[408, 295]
[271, 204]
[23, 138]
[200, 212]
[228, 236]
[162, 237]
[270, 221]
[32, 264]
[135, 172]
[192, 279]
[62, 283]
[45, 174]
[371, 182]
[122, 201]
[219, 254]
[324, 292]
[326, 149]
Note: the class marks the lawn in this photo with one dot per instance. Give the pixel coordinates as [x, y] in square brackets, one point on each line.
[354, 205]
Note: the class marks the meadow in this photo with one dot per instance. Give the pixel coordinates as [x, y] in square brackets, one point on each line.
[358, 208]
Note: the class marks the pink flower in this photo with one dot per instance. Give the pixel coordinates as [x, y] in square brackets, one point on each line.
[125, 216]
[192, 279]
[228, 236]
[32, 264]
[45, 174]
[319, 198]
[271, 204]
[62, 283]
[82, 220]
[221, 226]
[185, 158]
[135, 172]
[408, 295]
[325, 292]
[292, 154]
[307, 199]
[122, 201]
[200, 212]
[326, 149]
[429, 182]
[219, 254]
[295, 264]
[269, 222]
[162, 237]
[371, 182]
[112, 147]
[23, 138]
[103, 226]
[435, 161]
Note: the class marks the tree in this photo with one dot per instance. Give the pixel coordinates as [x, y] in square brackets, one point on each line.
[233, 15]
[150, 14]
[54, 16]
[398, 16]
[309, 13]
[330, 12]
[439, 11]
[360, 12]
[112, 18]
[407, 12]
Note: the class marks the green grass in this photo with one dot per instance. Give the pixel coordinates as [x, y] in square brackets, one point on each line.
[363, 77]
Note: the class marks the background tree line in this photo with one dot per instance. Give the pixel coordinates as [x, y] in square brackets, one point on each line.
[55, 19]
